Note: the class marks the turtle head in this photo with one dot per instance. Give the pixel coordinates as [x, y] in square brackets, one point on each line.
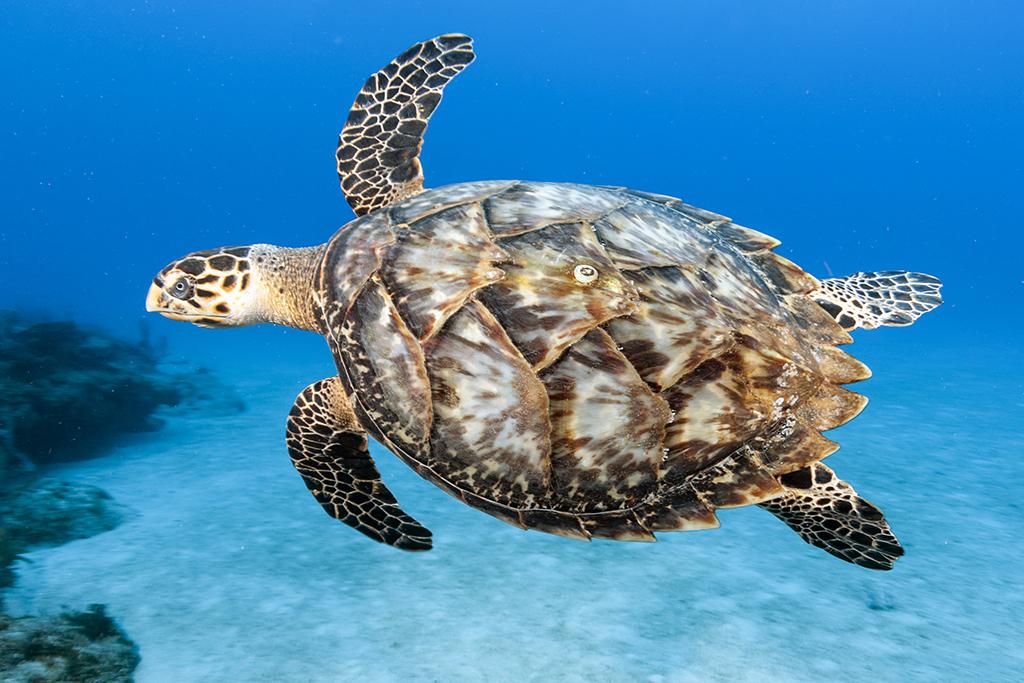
[214, 288]
[235, 286]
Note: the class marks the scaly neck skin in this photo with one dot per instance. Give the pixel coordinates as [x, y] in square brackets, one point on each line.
[287, 278]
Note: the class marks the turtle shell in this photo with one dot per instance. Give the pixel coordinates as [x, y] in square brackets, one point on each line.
[587, 361]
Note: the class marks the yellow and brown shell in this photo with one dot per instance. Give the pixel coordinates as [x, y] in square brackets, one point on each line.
[586, 361]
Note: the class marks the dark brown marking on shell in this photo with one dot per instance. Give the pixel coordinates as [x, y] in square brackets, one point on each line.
[491, 431]
[384, 362]
[437, 263]
[506, 513]
[741, 479]
[531, 206]
[618, 526]
[795, 446]
[541, 304]
[728, 402]
[676, 326]
[679, 510]
[714, 414]
[557, 523]
[815, 322]
[786, 276]
[607, 427]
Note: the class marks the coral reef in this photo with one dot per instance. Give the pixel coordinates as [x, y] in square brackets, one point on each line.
[86, 647]
[68, 392]
[50, 512]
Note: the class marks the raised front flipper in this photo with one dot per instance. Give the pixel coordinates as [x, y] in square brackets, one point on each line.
[870, 300]
[829, 514]
[329, 449]
[379, 148]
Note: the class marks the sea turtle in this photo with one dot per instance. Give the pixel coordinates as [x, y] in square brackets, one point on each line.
[593, 362]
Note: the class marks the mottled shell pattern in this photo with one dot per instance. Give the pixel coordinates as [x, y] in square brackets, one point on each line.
[587, 361]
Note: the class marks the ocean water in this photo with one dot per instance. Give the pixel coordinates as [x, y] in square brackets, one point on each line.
[865, 135]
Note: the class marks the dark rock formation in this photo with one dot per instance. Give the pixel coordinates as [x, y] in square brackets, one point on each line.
[50, 512]
[9, 550]
[68, 392]
[86, 647]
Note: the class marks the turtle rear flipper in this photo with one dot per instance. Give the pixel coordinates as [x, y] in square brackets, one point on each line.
[329, 450]
[870, 300]
[829, 514]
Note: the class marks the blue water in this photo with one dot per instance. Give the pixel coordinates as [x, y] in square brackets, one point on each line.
[868, 135]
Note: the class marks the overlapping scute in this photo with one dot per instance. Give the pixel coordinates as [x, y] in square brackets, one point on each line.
[689, 374]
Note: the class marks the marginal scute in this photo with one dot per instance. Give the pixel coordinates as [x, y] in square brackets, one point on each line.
[829, 407]
[541, 305]
[680, 510]
[786, 276]
[746, 239]
[702, 215]
[677, 325]
[840, 367]
[606, 428]
[385, 364]
[437, 263]
[618, 526]
[531, 206]
[490, 429]
[649, 196]
[441, 198]
[557, 523]
[741, 479]
[794, 446]
[505, 513]
[815, 323]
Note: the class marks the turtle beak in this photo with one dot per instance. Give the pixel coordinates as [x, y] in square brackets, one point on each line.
[156, 300]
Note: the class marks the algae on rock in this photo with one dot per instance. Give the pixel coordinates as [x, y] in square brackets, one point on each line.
[85, 647]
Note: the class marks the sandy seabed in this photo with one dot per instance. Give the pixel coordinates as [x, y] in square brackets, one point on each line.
[229, 570]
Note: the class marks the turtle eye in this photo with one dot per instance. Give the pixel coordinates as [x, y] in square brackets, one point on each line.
[181, 289]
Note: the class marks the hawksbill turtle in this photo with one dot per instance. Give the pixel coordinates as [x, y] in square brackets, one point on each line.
[593, 362]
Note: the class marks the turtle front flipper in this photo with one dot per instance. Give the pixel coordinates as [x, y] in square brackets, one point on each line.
[329, 449]
[379, 147]
[870, 300]
[829, 514]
